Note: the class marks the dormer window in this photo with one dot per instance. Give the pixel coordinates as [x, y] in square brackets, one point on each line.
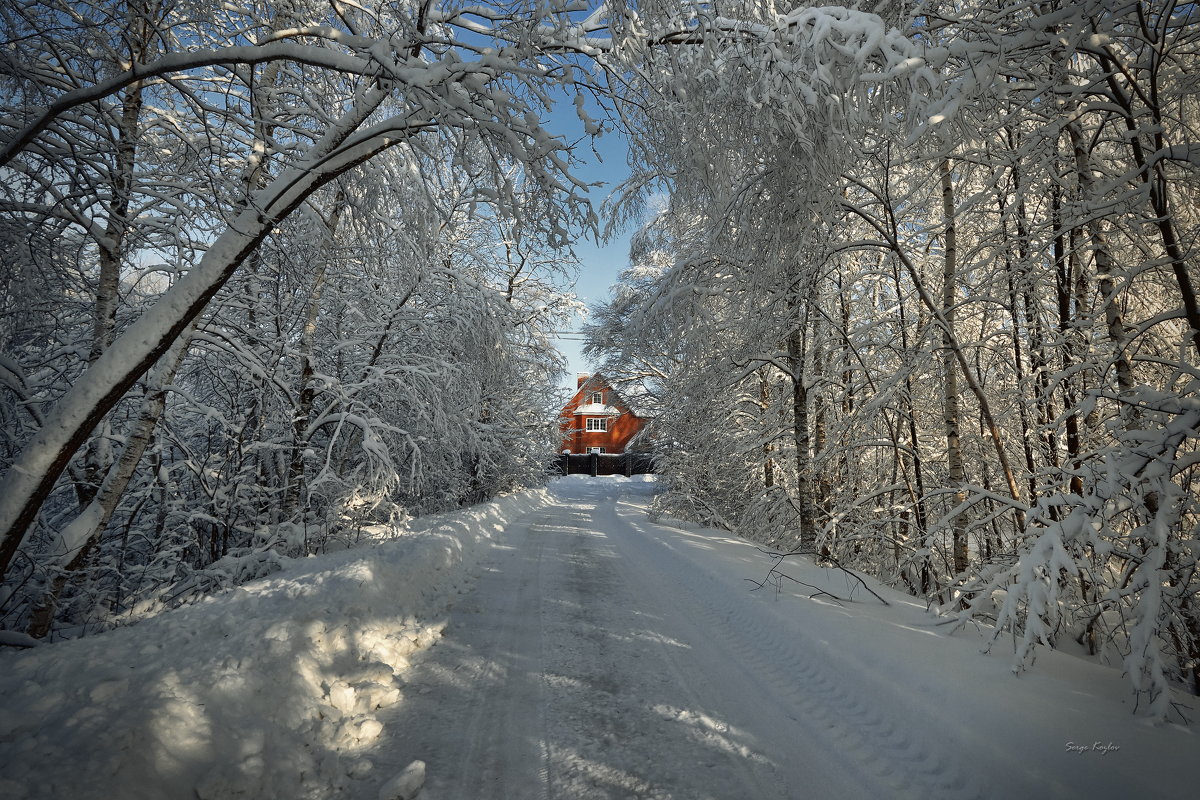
[597, 398]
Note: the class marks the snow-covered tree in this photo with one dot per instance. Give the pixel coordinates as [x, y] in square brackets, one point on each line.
[290, 264]
[953, 234]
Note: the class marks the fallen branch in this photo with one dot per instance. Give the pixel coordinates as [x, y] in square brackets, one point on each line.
[777, 576]
[858, 578]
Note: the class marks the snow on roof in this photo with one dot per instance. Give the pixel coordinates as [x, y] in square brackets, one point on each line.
[598, 383]
[597, 408]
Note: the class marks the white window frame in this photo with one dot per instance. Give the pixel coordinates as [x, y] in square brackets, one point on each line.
[599, 450]
[596, 424]
[596, 399]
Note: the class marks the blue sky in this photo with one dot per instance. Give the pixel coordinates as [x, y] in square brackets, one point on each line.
[599, 263]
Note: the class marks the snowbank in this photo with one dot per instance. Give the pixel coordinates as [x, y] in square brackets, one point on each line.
[603, 480]
[906, 699]
[267, 691]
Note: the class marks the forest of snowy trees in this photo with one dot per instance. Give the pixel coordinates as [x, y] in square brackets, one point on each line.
[938, 268]
[268, 276]
[914, 291]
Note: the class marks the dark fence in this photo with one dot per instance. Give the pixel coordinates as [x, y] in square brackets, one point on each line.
[606, 464]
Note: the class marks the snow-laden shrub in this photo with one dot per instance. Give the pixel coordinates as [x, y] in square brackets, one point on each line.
[1115, 567]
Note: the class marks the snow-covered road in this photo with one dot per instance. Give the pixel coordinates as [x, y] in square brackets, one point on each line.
[593, 661]
[560, 644]
[603, 656]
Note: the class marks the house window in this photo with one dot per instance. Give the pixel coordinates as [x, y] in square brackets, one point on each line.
[596, 424]
[597, 398]
[595, 449]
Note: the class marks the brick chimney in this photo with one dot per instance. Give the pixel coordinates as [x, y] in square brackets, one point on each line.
[580, 377]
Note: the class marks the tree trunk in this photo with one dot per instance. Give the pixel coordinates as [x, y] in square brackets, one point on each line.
[308, 334]
[77, 539]
[1027, 432]
[950, 399]
[920, 513]
[764, 401]
[1154, 178]
[33, 474]
[112, 249]
[1101, 255]
[802, 437]
[111, 246]
[1070, 290]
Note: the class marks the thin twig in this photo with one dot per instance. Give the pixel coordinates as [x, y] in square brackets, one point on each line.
[779, 557]
[778, 576]
[858, 578]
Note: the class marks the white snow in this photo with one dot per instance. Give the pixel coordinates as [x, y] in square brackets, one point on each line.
[596, 408]
[272, 690]
[406, 785]
[596, 654]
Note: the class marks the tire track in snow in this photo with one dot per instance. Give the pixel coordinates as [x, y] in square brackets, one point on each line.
[498, 748]
[684, 683]
[491, 760]
[814, 687]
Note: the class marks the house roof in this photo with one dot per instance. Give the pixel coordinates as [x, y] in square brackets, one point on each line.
[616, 406]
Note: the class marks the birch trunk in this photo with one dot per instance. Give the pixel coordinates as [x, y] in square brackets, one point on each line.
[111, 244]
[802, 438]
[76, 540]
[308, 336]
[764, 402]
[950, 399]
[32, 476]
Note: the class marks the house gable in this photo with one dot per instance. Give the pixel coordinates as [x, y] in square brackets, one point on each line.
[597, 419]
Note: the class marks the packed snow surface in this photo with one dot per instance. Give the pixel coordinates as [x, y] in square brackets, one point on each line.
[582, 651]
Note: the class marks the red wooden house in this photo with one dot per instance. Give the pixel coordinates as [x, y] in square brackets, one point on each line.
[597, 420]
